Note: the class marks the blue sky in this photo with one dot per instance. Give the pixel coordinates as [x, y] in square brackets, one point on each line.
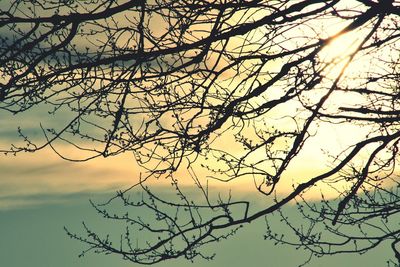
[34, 236]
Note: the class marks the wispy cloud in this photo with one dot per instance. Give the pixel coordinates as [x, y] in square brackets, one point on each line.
[43, 173]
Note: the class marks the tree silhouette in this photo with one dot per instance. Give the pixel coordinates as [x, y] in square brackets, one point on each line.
[225, 90]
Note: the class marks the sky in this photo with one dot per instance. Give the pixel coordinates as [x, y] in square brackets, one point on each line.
[34, 236]
[40, 194]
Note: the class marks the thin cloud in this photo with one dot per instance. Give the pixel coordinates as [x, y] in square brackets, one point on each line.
[44, 173]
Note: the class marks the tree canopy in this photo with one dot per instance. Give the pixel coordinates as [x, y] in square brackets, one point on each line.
[289, 97]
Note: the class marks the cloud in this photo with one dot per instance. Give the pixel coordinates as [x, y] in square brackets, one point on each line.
[43, 172]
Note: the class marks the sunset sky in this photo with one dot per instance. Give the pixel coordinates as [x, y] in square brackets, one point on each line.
[45, 191]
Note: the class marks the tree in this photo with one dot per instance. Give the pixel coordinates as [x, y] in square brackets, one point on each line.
[230, 90]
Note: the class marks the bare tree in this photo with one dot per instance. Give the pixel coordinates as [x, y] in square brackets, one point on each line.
[226, 90]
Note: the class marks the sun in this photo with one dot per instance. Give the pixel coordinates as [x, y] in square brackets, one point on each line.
[343, 54]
